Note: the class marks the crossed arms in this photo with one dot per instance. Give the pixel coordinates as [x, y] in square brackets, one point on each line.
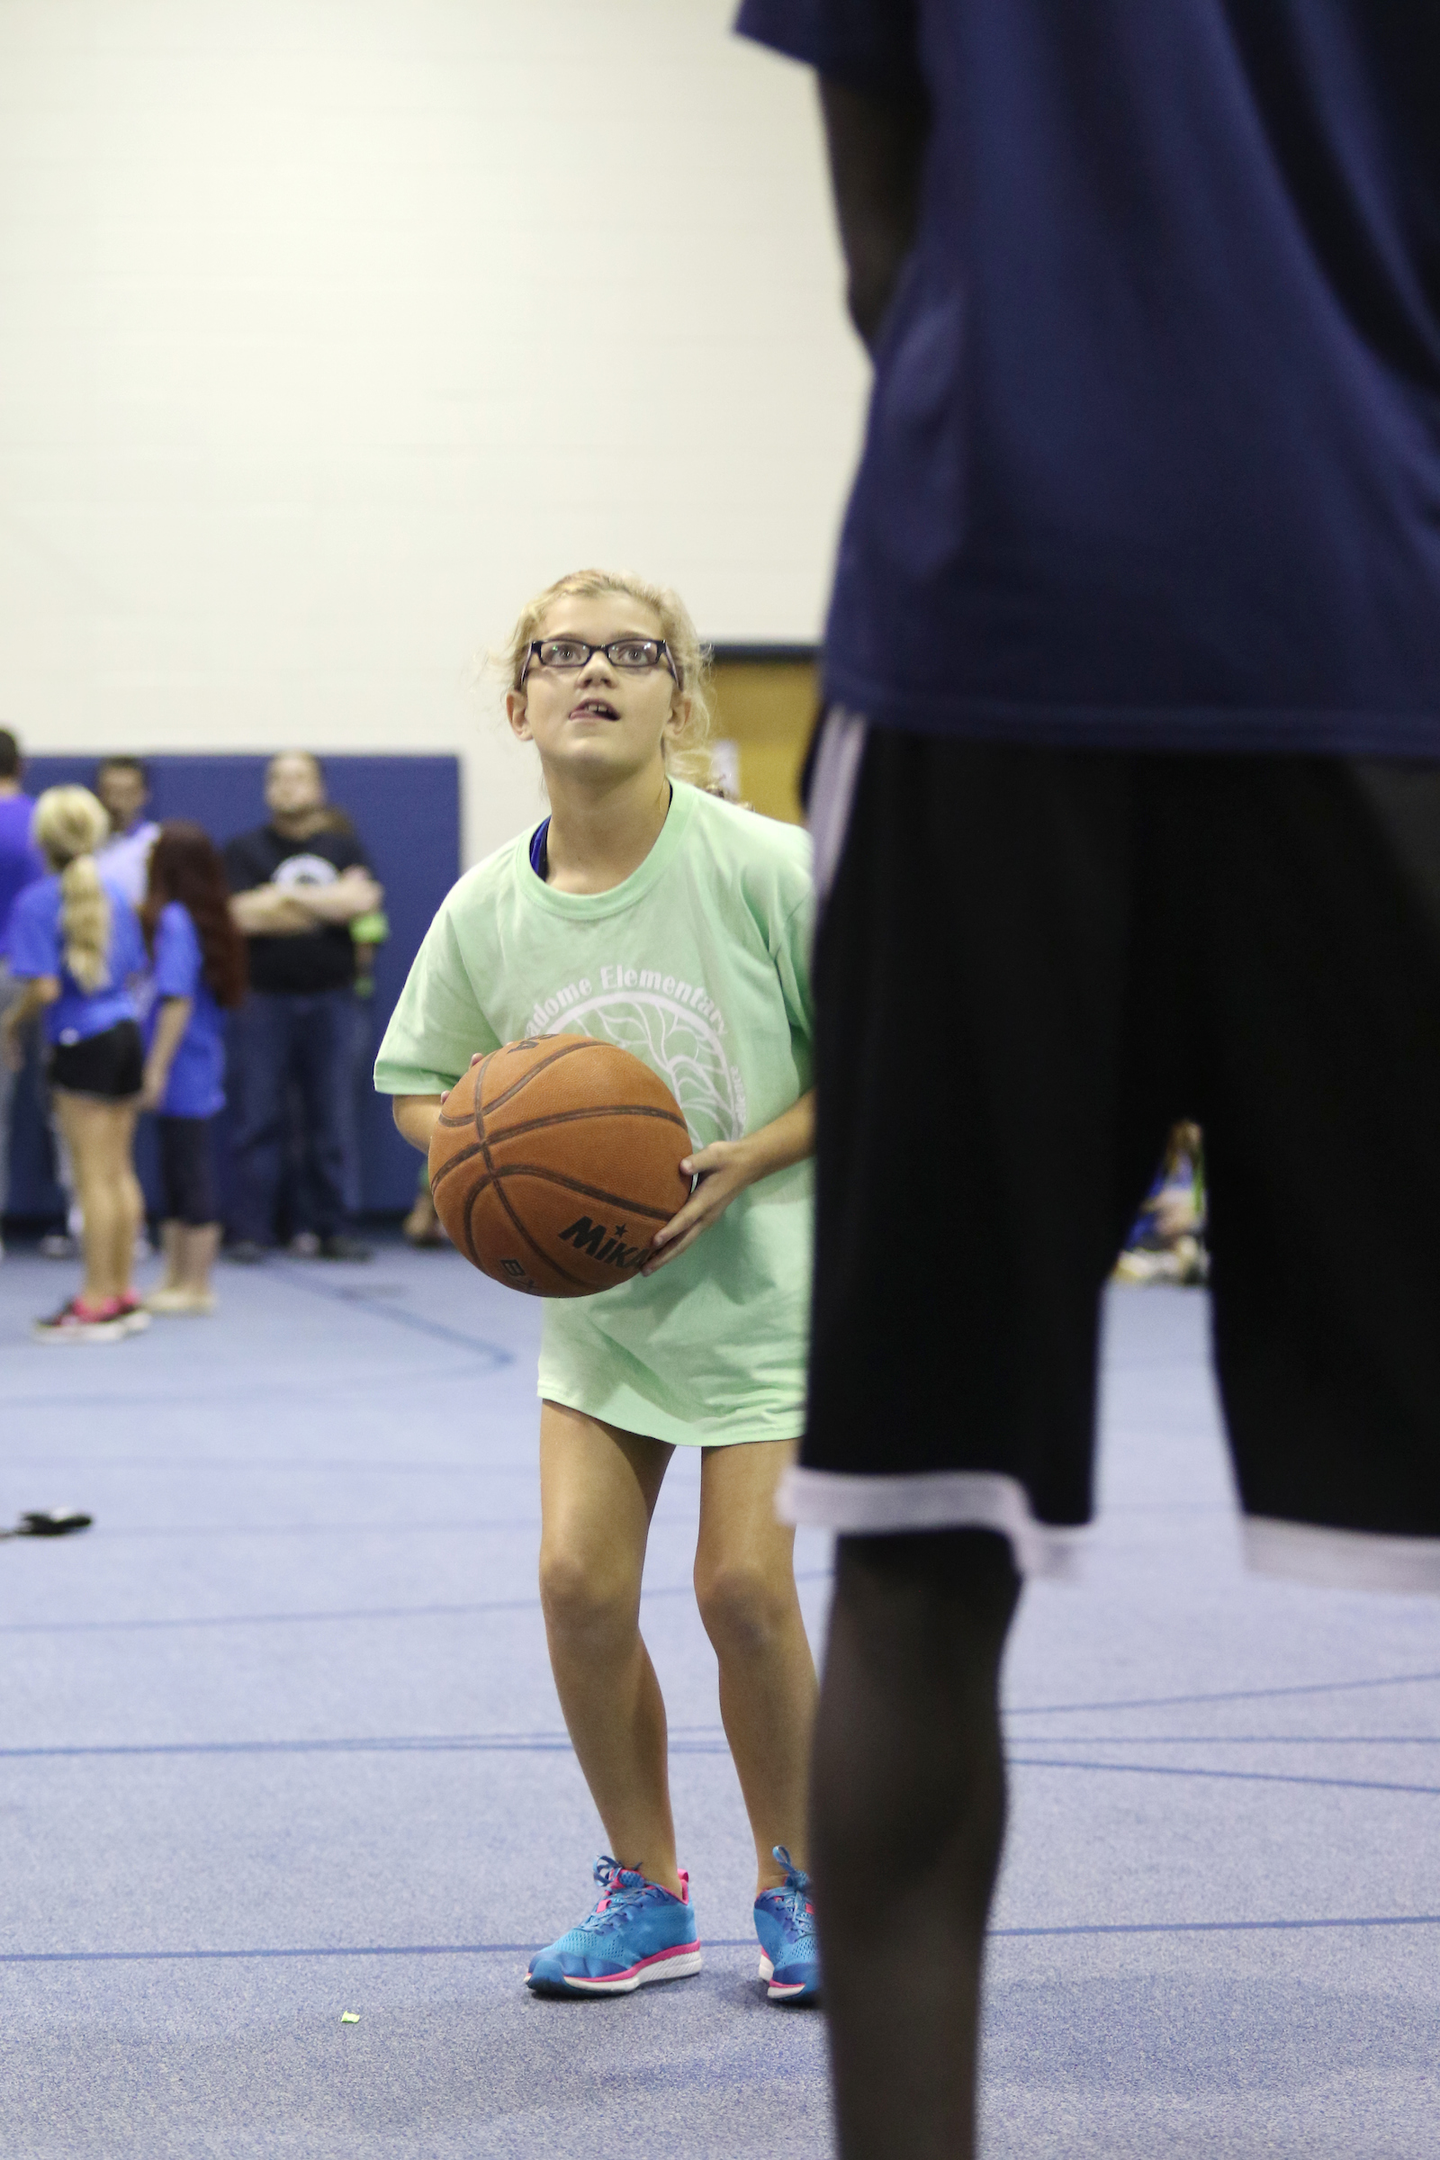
[294, 911]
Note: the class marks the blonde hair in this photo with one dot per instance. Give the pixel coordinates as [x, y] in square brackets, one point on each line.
[69, 824]
[686, 749]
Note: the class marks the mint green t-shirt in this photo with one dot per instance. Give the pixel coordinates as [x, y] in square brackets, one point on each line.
[699, 964]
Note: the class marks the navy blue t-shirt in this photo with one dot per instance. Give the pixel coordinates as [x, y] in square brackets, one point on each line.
[1153, 455]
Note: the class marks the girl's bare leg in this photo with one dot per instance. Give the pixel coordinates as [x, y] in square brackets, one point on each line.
[199, 1244]
[171, 1247]
[598, 1488]
[745, 1585]
[99, 1136]
[119, 1130]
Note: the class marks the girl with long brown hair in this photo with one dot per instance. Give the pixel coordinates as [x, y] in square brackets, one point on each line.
[198, 965]
[76, 945]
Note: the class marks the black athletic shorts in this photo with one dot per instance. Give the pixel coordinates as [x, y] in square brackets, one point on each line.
[187, 1171]
[110, 1064]
[1030, 963]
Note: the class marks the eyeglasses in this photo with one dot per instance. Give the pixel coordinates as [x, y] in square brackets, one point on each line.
[632, 655]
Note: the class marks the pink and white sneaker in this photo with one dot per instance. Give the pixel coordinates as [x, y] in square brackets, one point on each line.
[78, 1322]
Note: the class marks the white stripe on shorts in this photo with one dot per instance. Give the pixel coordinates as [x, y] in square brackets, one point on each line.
[861, 1506]
[837, 768]
[931, 1500]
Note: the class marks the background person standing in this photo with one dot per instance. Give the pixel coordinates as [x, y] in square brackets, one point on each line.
[20, 864]
[123, 786]
[297, 886]
[77, 949]
[198, 960]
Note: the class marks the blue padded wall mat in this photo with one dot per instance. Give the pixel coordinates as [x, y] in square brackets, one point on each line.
[406, 811]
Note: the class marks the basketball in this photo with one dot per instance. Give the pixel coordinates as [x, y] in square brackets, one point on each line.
[554, 1162]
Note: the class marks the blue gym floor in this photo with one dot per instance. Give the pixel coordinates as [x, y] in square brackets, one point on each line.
[279, 1742]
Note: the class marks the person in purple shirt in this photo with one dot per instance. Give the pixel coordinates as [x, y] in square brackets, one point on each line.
[20, 864]
[76, 946]
[198, 970]
[1126, 807]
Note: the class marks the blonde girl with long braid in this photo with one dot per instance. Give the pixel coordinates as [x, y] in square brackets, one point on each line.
[76, 945]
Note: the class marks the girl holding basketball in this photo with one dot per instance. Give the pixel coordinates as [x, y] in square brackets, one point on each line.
[645, 912]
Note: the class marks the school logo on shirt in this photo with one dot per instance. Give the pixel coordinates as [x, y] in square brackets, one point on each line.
[674, 1027]
[305, 870]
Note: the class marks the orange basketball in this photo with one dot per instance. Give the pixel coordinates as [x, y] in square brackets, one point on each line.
[555, 1161]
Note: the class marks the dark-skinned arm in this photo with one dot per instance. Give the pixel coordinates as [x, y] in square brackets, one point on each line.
[877, 146]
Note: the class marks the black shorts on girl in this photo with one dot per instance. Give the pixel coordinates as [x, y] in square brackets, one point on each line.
[110, 1065]
[1031, 963]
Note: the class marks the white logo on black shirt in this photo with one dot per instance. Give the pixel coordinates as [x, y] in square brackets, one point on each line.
[304, 870]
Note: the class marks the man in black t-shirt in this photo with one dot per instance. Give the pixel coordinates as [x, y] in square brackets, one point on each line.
[297, 888]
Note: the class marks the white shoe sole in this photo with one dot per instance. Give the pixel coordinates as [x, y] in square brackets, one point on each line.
[112, 1332]
[785, 1992]
[657, 1968]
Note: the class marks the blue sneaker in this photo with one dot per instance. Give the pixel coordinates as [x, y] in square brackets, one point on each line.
[785, 1923]
[637, 1933]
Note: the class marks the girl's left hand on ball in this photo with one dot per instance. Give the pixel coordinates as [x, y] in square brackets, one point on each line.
[724, 1170]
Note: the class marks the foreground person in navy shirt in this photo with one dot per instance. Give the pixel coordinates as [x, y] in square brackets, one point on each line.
[1127, 795]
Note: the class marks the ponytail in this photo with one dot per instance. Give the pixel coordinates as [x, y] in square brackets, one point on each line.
[69, 825]
[85, 919]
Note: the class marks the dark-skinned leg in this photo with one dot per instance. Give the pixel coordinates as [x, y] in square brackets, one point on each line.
[908, 1817]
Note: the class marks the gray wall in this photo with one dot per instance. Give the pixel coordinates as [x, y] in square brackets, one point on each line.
[329, 329]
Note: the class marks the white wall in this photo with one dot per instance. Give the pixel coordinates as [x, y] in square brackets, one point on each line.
[329, 329]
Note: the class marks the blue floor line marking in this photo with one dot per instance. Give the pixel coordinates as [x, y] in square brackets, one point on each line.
[713, 1942]
[1224, 1927]
[682, 1744]
[385, 1526]
[358, 1612]
[1182, 1702]
[289, 1463]
[421, 1744]
[222, 1620]
[357, 1295]
[1235, 1740]
[1245, 1777]
[344, 1385]
[362, 1950]
[712, 1743]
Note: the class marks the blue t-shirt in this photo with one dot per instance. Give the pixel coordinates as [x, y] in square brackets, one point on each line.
[1153, 453]
[21, 862]
[37, 947]
[194, 1088]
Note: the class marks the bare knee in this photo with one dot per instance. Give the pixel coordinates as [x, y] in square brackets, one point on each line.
[581, 1596]
[743, 1608]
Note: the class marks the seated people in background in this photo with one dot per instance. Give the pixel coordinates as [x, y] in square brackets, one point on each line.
[123, 786]
[297, 888]
[76, 945]
[198, 967]
[21, 863]
[1167, 1242]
